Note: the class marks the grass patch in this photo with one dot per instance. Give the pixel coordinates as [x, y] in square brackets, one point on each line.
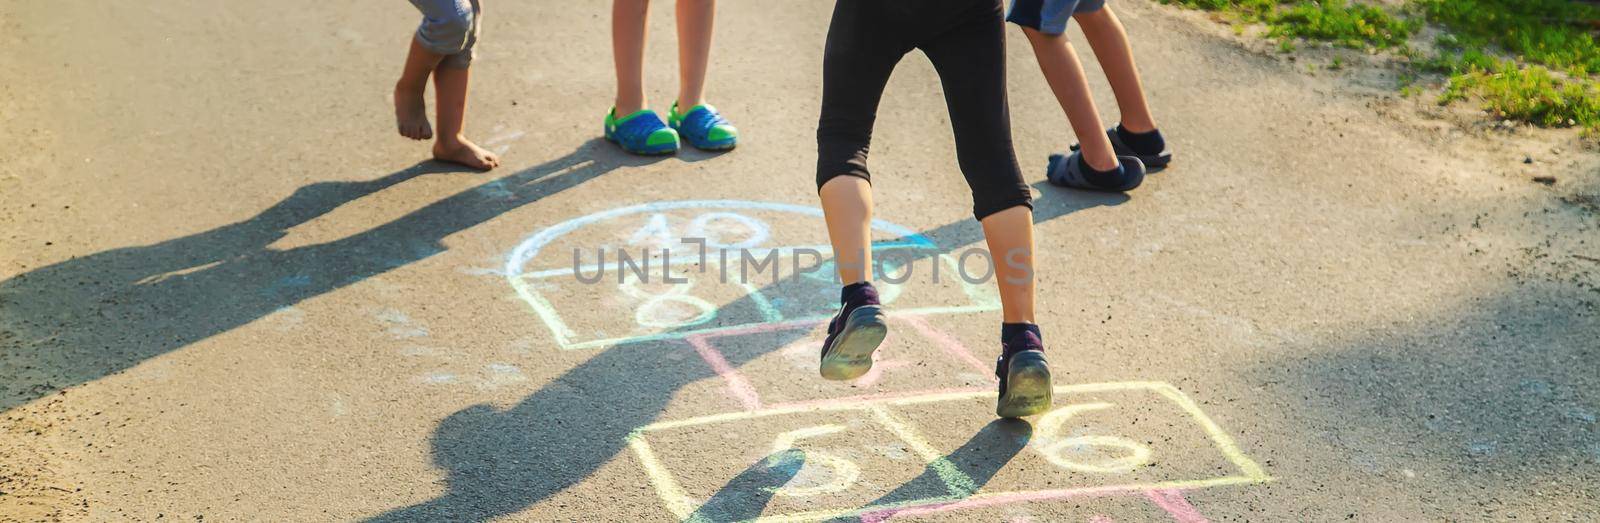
[1555, 33]
[1249, 10]
[1528, 60]
[1356, 26]
[1528, 93]
[1350, 25]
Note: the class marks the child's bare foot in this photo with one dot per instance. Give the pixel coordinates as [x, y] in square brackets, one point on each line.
[411, 112]
[465, 153]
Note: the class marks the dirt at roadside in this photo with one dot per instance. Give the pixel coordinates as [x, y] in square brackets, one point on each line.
[35, 481]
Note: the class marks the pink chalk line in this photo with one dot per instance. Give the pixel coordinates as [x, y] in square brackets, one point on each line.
[762, 328]
[882, 396]
[738, 386]
[742, 390]
[1171, 500]
[872, 376]
[944, 341]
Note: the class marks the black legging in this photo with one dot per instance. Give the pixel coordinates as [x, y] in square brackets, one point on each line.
[965, 40]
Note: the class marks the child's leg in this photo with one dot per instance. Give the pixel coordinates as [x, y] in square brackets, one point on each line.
[1064, 73]
[628, 18]
[698, 123]
[450, 81]
[695, 20]
[1009, 234]
[860, 55]
[859, 327]
[450, 98]
[446, 33]
[847, 207]
[971, 66]
[410, 110]
[1110, 43]
[970, 60]
[857, 62]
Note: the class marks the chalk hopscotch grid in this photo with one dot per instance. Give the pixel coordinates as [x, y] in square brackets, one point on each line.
[962, 495]
[1167, 494]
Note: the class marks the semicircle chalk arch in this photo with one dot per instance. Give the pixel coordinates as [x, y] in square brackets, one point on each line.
[694, 315]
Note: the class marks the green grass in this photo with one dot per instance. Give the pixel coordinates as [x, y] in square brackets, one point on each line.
[1555, 33]
[1349, 25]
[1356, 26]
[1528, 60]
[1529, 94]
[1244, 9]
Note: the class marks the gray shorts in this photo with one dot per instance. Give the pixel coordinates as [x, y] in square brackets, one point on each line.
[1049, 16]
[450, 28]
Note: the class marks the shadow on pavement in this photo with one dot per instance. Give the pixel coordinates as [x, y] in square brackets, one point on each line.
[1494, 400]
[81, 319]
[746, 495]
[499, 462]
[980, 458]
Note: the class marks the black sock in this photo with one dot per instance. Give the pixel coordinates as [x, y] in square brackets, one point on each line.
[1111, 178]
[859, 294]
[1143, 143]
[1008, 331]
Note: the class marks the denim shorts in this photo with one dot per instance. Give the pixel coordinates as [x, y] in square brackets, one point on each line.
[1049, 16]
[449, 28]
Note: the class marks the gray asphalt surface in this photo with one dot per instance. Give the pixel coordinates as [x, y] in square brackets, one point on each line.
[228, 291]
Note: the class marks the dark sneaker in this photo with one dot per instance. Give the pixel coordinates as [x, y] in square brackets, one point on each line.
[854, 334]
[1025, 388]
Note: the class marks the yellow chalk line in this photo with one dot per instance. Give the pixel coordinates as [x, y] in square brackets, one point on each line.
[679, 502]
[958, 482]
[821, 515]
[930, 398]
[1223, 441]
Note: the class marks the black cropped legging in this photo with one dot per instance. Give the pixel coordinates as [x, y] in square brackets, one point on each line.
[965, 40]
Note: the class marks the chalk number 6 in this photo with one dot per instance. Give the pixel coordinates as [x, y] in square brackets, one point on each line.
[1056, 449]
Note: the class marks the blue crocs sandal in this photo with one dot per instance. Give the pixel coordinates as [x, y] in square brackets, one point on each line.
[642, 132]
[1069, 171]
[704, 128]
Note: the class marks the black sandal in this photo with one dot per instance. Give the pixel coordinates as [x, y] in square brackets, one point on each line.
[1069, 171]
[1151, 161]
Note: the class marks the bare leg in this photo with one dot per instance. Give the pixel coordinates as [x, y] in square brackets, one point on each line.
[450, 101]
[847, 207]
[410, 110]
[695, 20]
[1110, 43]
[1065, 75]
[628, 18]
[1010, 237]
